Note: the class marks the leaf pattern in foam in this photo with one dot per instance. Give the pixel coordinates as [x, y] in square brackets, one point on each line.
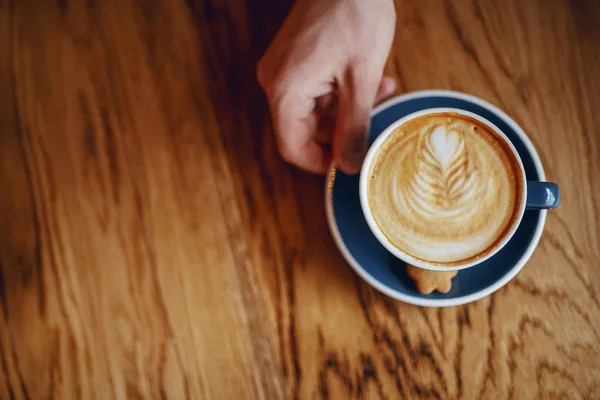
[443, 182]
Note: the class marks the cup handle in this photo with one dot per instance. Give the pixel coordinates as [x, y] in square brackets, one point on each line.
[542, 195]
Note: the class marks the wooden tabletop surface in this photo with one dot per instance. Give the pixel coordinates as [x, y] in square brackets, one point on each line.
[154, 245]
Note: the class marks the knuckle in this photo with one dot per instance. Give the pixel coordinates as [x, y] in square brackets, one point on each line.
[288, 147]
[267, 79]
[285, 150]
[276, 81]
[275, 87]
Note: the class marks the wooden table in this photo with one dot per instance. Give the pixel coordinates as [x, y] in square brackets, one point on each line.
[153, 244]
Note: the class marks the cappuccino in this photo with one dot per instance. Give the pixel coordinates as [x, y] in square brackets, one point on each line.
[445, 188]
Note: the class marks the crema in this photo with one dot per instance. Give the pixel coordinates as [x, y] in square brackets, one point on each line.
[444, 188]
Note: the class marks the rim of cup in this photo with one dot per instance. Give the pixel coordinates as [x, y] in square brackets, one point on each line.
[394, 250]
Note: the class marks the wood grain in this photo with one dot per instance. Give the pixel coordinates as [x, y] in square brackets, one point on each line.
[154, 245]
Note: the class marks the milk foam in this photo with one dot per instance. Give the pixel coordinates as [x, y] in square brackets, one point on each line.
[444, 188]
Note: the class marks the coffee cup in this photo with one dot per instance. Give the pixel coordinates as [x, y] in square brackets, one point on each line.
[445, 189]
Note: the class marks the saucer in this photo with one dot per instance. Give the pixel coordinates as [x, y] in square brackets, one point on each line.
[380, 268]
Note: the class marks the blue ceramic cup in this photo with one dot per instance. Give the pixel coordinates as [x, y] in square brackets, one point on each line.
[537, 195]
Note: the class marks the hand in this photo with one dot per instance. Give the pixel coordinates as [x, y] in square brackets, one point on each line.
[322, 74]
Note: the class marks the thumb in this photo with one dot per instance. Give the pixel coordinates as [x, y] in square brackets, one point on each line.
[356, 98]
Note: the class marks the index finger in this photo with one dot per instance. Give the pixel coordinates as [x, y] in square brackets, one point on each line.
[296, 124]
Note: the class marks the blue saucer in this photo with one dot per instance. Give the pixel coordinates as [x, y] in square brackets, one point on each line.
[380, 268]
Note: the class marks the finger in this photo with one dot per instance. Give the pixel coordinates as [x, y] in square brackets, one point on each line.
[295, 130]
[356, 98]
[326, 110]
[325, 129]
[386, 88]
[326, 105]
[314, 158]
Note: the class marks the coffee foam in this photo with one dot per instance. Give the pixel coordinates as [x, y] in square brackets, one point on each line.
[444, 188]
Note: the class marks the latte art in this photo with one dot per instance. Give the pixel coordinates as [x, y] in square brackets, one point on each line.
[444, 188]
[443, 184]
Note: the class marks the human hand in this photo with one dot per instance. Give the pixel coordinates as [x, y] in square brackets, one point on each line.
[322, 74]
